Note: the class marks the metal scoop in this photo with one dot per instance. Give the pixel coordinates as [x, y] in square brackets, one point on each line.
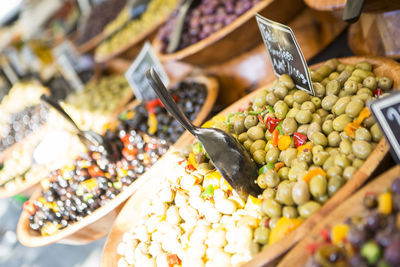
[229, 157]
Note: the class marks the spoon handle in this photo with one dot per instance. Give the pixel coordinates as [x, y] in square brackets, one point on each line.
[168, 101]
[57, 107]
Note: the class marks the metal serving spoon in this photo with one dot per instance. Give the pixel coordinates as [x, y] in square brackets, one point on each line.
[93, 141]
[229, 157]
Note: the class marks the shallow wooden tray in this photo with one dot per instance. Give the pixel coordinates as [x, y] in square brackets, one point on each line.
[268, 257]
[298, 256]
[99, 223]
[239, 36]
[91, 44]
[370, 5]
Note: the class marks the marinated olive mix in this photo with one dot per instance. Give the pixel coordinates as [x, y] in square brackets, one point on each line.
[21, 124]
[204, 19]
[73, 192]
[151, 117]
[369, 239]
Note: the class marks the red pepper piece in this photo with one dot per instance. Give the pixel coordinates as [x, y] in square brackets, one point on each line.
[325, 235]
[260, 118]
[312, 248]
[29, 207]
[378, 92]
[149, 146]
[129, 154]
[125, 139]
[190, 168]
[271, 123]
[173, 260]
[95, 171]
[299, 139]
[275, 138]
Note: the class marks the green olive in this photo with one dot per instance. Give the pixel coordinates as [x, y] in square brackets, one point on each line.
[340, 122]
[348, 172]
[303, 129]
[329, 101]
[259, 155]
[340, 107]
[350, 87]
[345, 146]
[332, 63]
[243, 137]
[342, 161]
[272, 178]
[376, 132]
[308, 105]
[340, 67]
[333, 151]
[370, 82]
[334, 171]
[343, 76]
[363, 97]
[364, 90]
[267, 135]
[284, 193]
[289, 126]
[296, 172]
[363, 134]
[333, 88]
[261, 235]
[269, 193]
[303, 116]
[257, 145]
[334, 184]
[271, 208]
[385, 83]
[313, 128]
[271, 99]
[364, 65]
[238, 124]
[308, 208]
[319, 89]
[355, 78]
[281, 91]
[318, 185]
[329, 162]
[357, 163]
[316, 101]
[289, 155]
[362, 73]
[305, 156]
[324, 71]
[222, 126]
[320, 158]
[316, 149]
[272, 155]
[327, 127]
[255, 133]
[334, 139]
[260, 99]
[315, 76]
[316, 118]
[319, 138]
[289, 100]
[272, 222]
[300, 192]
[333, 75]
[289, 212]
[247, 144]
[261, 181]
[369, 121]
[281, 109]
[287, 81]
[250, 121]
[350, 68]
[301, 96]
[361, 149]
[284, 173]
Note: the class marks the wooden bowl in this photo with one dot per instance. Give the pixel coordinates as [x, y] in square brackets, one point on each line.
[370, 5]
[352, 206]
[239, 36]
[99, 223]
[91, 44]
[130, 212]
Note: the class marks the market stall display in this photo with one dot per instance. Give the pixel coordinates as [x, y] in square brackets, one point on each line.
[208, 45]
[98, 189]
[132, 36]
[279, 231]
[362, 231]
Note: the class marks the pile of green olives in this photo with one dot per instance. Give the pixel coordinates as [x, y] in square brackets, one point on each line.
[303, 144]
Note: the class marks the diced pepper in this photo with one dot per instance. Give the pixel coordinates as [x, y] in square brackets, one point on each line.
[173, 260]
[95, 171]
[252, 203]
[213, 121]
[29, 207]
[270, 109]
[152, 123]
[378, 92]
[271, 123]
[310, 174]
[283, 227]
[230, 116]
[190, 168]
[129, 154]
[279, 128]
[365, 113]
[299, 139]
[350, 129]
[306, 147]
[371, 251]
[264, 168]
[385, 203]
[192, 160]
[278, 165]
[45, 184]
[50, 229]
[117, 185]
[284, 142]
[198, 148]
[209, 192]
[313, 247]
[325, 234]
[275, 138]
[225, 186]
[255, 113]
[213, 179]
[90, 184]
[339, 233]
[260, 118]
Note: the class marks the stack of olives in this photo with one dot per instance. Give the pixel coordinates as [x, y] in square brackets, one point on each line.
[307, 146]
[204, 19]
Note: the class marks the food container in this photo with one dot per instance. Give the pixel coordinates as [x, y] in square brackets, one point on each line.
[239, 36]
[353, 206]
[268, 257]
[370, 5]
[98, 224]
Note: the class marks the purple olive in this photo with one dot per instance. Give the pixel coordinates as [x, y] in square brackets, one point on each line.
[392, 253]
[396, 186]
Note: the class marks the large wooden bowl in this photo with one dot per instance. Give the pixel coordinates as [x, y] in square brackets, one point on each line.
[239, 36]
[99, 223]
[267, 257]
[352, 206]
[370, 5]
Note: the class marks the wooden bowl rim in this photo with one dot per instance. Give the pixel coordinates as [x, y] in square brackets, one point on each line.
[31, 239]
[213, 38]
[260, 258]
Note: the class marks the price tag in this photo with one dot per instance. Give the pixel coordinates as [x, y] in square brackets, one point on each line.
[387, 113]
[284, 52]
[136, 74]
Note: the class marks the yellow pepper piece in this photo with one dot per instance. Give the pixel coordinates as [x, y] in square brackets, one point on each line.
[152, 123]
[365, 113]
[278, 166]
[309, 175]
[90, 184]
[192, 160]
[339, 233]
[252, 203]
[385, 203]
[306, 146]
[284, 142]
[283, 227]
[350, 129]
[213, 121]
[213, 179]
[49, 229]
[225, 186]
